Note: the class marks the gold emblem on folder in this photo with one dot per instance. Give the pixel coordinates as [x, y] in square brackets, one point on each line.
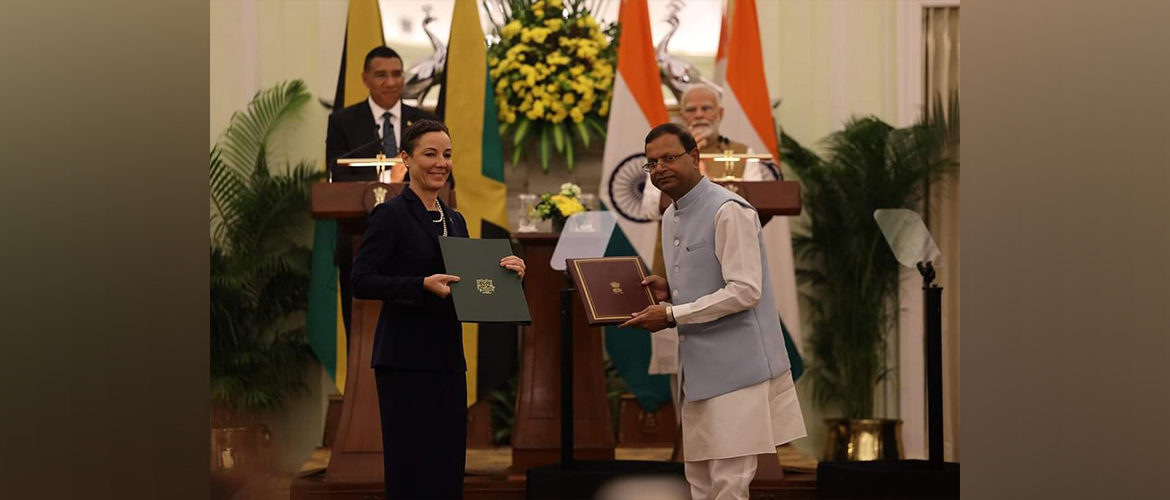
[617, 287]
[485, 286]
[379, 195]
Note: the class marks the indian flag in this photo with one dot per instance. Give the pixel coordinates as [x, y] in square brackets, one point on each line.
[747, 118]
[326, 328]
[468, 107]
[637, 107]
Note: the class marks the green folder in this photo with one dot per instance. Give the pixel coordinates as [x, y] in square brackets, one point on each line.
[486, 292]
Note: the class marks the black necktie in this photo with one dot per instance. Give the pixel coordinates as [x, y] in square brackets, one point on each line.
[389, 144]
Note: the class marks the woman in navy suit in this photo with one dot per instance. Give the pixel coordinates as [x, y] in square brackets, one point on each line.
[418, 346]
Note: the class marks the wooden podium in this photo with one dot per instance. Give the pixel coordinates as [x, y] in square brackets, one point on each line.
[357, 446]
[770, 198]
[536, 435]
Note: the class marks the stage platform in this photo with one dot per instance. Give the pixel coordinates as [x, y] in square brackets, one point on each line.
[488, 477]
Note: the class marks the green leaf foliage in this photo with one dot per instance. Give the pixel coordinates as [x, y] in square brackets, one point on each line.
[582, 132]
[521, 132]
[559, 136]
[259, 274]
[544, 148]
[570, 158]
[852, 273]
[516, 152]
[503, 410]
[596, 126]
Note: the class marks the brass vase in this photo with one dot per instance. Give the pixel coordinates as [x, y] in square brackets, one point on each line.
[862, 439]
[238, 452]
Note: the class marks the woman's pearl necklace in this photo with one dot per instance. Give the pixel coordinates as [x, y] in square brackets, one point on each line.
[442, 218]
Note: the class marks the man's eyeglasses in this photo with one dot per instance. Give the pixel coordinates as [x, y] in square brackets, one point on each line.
[665, 160]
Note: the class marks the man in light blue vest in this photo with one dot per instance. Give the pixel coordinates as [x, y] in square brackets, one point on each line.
[738, 397]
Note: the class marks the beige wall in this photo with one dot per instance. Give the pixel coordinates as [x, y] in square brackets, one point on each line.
[828, 60]
[258, 43]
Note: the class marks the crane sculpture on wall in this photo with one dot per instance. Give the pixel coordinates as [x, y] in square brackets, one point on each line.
[677, 74]
[428, 72]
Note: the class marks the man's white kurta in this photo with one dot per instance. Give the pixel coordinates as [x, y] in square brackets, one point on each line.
[755, 419]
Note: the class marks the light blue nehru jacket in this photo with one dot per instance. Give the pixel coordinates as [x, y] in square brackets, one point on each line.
[737, 350]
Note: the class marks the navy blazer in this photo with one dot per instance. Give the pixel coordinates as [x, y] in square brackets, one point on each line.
[416, 329]
[353, 132]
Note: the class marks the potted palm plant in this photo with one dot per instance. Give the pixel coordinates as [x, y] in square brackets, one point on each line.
[259, 281]
[851, 273]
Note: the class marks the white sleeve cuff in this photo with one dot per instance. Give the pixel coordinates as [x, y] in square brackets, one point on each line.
[682, 313]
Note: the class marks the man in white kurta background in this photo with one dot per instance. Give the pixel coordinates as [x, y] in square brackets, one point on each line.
[738, 397]
[701, 111]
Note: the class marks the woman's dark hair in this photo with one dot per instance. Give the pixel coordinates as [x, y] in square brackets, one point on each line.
[418, 129]
[685, 138]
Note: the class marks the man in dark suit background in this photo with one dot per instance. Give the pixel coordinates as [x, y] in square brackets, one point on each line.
[354, 132]
[362, 131]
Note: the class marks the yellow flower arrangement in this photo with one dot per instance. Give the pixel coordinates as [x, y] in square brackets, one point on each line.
[567, 206]
[561, 205]
[553, 66]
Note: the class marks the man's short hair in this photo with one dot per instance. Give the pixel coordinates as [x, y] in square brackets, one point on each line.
[701, 86]
[382, 51]
[684, 137]
[412, 134]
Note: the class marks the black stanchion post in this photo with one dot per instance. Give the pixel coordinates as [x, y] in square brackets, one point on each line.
[934, 392]
[932, 478]
[932, 298]
[567, 378]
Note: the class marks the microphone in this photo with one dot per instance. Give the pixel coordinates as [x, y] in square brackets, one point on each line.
[377, 139]
[332, 164]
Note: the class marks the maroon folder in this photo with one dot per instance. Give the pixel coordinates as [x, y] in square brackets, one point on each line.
[610, 288]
